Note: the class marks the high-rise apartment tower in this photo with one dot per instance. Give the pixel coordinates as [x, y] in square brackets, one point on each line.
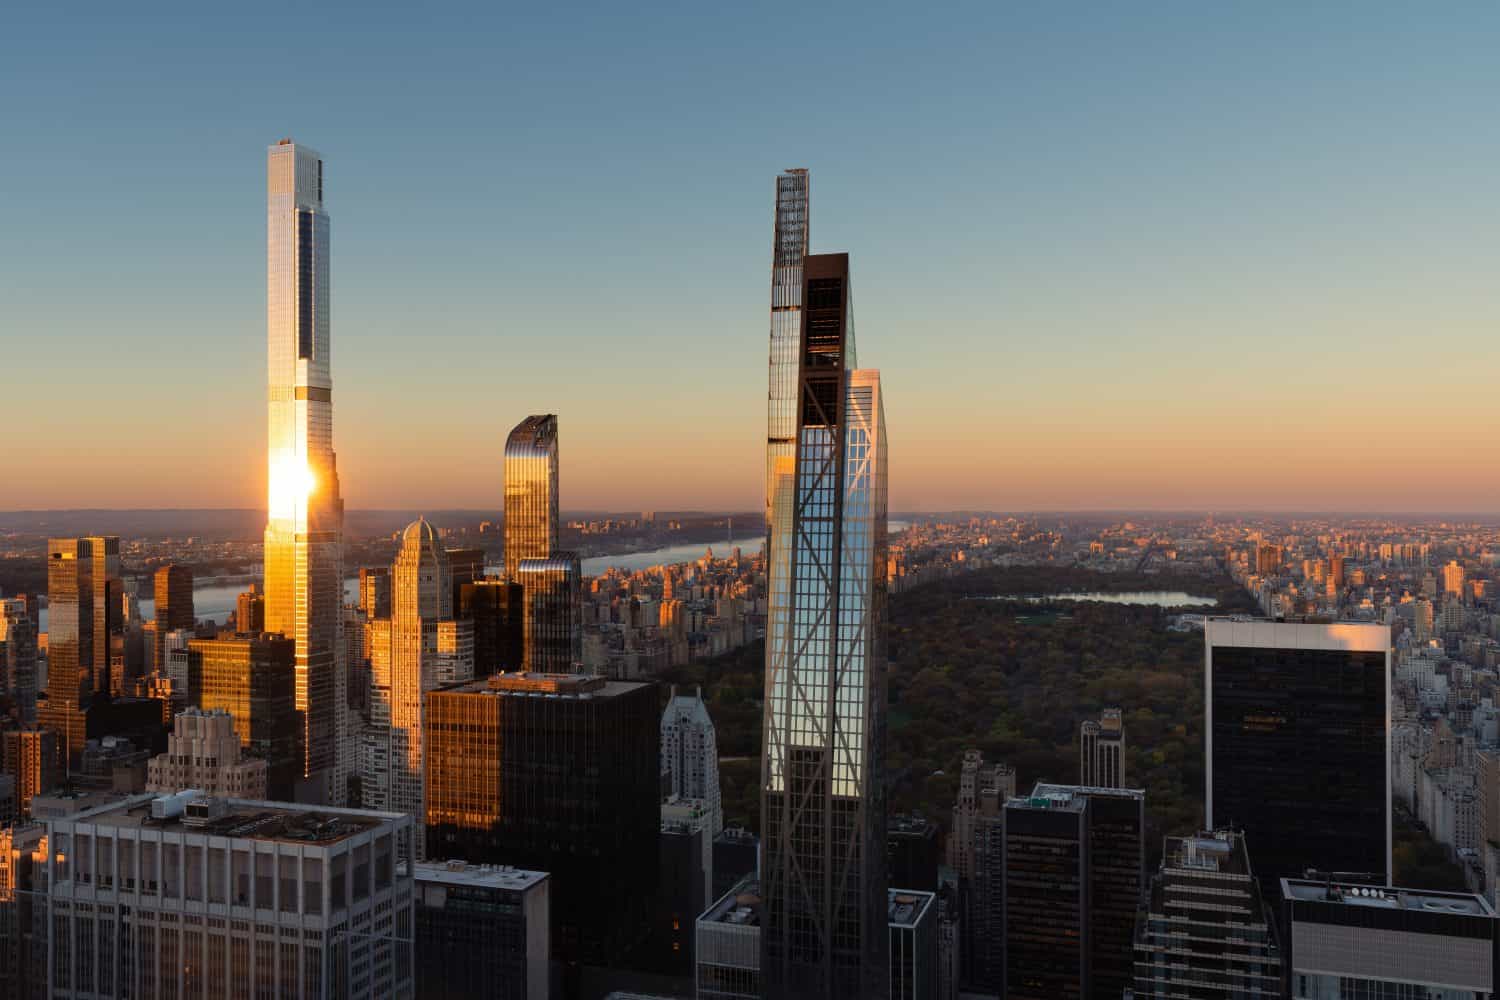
[788, 248]
[531, 518]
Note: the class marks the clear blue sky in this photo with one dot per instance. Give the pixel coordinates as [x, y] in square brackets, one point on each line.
[1105, 255]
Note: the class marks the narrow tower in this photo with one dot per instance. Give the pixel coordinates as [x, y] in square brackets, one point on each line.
[823, 800]
[304, 550]
[531, 519]
[788, 247]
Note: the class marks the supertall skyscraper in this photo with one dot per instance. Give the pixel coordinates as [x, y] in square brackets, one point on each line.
[83, 575]
[304, 550]
[823, 799]
[788, 247]
[531, 519]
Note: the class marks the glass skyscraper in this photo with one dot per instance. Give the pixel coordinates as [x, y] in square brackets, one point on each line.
[823, 799]
[83, 585]
[305, 522]
[531, 520]
[552, 597]
[788, 247]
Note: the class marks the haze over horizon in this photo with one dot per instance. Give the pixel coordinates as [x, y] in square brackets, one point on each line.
[1208, 259]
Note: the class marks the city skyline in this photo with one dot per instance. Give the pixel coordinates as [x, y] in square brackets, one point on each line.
[1142, 277]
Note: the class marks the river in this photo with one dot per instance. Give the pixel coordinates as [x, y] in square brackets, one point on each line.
[214, 601]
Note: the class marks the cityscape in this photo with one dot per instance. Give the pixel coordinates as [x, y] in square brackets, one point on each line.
[1187, 689]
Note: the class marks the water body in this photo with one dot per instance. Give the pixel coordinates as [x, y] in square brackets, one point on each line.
[214, 601]
[1152, 598]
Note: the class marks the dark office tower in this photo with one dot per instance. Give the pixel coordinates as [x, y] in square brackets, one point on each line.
[467, 565]
[174, 605]
[788, 248]
[913, 929]
[555, 773]
[82, 573]
[375, 592]
[1101, 751]
[481, 932]
[1089, 845]
[736, 855]
[1206, 931]
[253, 678]
[249, 611]
[823, 786]
[552, 592]
[498, 612]
[531, 521]
[912, 853]
[1297, 746]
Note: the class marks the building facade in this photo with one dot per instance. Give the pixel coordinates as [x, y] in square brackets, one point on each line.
[18, 656]
[552, 595]
[532, 527]
[482, 931]
[823, 796]
[1101, 751]
[1206, 931]
[555, 773]
[1297, 744]
[32, 754]
[203, 752]
[304, 540]
[496, 608]
[83, 582]
[158, 896]
[913, 920]
[253, 678]
[173, 589]
[788, 248]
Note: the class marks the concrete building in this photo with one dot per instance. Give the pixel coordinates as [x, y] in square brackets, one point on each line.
[210, 897]
[1101, 751]
[203, 752]
[1206, 931]
[690, 767]
[31, 754]
[482, 932]
[914, 944]
[1342, 940]
[727, 953]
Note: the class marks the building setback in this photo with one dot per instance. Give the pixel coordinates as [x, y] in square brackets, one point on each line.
[554, 773]
[1297, 744]
[185, 896]
[552, 597]
[482, 932]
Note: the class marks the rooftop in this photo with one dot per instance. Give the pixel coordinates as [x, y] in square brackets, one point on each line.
[537, 685]
[739, 906]
[246, 818]
[907, 907]
[1045, 796]
[1221, 851]
[1377, 897]
[458, 873]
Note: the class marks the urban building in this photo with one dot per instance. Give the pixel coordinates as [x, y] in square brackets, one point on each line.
[911, 850]
[253, 679]
[913, 920]
[250, 611]
[552, 594]
[497, 610]
[532, 529]
[823, 787]
[736, 857]
[18, 656]
[32, 755]
[173, 585]
[690, 759]
[188, 896]
[1297, 744]
[304, 571]
[1206, 931]
[1101, 744]
[555, 773]
[203, 752]
[375, 591]
[83, 583]
[683, 862]
[728, 946]
[788, 248]
[1453, 579]
[976, 783]
[464, 567]
[482, 932]
[1342, 940]
[23, 951]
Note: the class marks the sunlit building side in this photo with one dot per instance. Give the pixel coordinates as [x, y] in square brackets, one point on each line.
[788, 247]
[531, 512]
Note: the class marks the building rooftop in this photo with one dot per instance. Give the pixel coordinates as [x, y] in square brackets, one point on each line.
[1045, 796]
[459, 873]
[538, 685]
[247, 818]
[909, 825]
[907, 907]
[1221, 851]
[739, 906]
[1377, 897]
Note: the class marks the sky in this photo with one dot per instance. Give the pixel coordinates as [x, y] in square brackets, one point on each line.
[1132, 256]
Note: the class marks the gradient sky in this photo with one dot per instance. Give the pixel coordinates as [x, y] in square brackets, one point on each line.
[1114, 255]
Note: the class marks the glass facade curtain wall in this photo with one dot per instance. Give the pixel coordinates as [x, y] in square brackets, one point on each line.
[823, 809]
[531, 512]
[788, 248]
[552, 591]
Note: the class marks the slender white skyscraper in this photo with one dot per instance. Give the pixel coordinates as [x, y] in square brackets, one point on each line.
[788, 247]
[304, 550]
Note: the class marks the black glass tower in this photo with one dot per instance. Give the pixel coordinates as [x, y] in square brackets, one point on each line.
[1298, 750]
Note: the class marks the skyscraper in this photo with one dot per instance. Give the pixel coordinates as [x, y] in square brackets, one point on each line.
[823, 811]
[788, 248]
[552, 599]
[304, 548]
[253, 678]
[174, 605]
[1101, 751]
[531, 518]
[1297, 743]
[18, 657]
[81, 574]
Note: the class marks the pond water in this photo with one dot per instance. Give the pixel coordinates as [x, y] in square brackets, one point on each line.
[1153, 598]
